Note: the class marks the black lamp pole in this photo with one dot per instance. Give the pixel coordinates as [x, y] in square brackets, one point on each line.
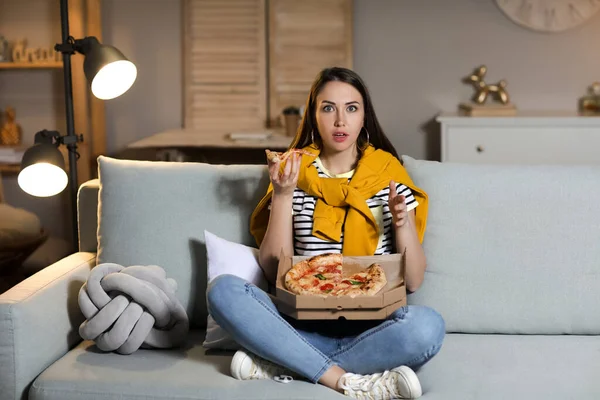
[67, 49]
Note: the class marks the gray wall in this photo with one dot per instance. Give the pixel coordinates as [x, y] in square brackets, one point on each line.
[148, 32]
[412, 54]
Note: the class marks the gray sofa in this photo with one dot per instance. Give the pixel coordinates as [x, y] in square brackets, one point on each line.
[513, 267]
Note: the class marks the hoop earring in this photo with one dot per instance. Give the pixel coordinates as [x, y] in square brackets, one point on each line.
[312, 136]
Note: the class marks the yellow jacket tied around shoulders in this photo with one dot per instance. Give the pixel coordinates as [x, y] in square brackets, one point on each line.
[342, 204]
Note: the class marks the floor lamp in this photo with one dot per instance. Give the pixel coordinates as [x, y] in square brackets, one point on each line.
[110, 74]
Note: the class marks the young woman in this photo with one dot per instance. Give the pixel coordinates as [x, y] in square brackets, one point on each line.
[351, 196]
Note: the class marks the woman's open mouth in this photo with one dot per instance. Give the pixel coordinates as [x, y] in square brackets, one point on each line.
[340, 136]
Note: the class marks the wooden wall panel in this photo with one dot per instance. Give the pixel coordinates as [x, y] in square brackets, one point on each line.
[305, 37]
[225, 65]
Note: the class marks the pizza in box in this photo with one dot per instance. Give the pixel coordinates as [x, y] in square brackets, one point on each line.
[323, 275]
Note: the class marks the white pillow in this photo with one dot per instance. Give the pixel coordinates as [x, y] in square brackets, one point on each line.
[225, 257]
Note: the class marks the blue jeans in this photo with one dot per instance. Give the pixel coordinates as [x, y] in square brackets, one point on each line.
[411, 336]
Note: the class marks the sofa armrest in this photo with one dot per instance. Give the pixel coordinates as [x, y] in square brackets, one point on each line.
[39, 322]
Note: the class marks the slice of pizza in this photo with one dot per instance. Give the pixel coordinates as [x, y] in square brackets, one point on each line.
[328, 269]
[375, 280]
[316, 275]
[365, 283]
[351, 285]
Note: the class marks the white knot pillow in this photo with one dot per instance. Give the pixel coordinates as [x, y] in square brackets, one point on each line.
[131, 307]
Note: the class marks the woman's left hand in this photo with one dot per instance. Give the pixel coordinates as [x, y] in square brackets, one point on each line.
[397, 206]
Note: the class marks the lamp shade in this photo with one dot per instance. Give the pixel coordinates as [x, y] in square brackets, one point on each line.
[111, 74]
[42, 171]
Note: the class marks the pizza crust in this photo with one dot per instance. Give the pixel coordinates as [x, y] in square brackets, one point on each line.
[323, 260]
[274, 156]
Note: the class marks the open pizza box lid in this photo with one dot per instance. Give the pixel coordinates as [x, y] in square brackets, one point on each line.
[392, 294]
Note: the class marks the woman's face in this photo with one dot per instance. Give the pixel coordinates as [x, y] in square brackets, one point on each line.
[340, 114]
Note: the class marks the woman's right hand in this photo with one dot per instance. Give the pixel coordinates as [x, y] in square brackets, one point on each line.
[285, 182]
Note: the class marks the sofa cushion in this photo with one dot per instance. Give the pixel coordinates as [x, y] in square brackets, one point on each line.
[153, 212]
[511, 249]
[226, 257]
[468, 367]
[176, 374]
[515, 367]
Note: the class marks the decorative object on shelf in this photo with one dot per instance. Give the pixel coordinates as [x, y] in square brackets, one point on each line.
[478, 106]
[10, 131]
[291, 119]
[40, 55]
[590, 104]
[549, 15]
[110, 75]
[483, 89]
[4, 50]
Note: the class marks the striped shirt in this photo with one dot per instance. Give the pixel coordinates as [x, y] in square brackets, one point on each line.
[304, 207]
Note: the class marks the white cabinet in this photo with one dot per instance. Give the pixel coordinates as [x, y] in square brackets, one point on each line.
[527, 138]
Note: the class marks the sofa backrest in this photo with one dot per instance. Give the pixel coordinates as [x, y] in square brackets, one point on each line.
[511, 249]
[156, 212]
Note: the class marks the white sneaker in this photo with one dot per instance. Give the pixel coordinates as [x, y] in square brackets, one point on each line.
[246, 366]
[399, 383]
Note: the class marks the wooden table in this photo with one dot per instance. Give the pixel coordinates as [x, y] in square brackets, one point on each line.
[214, 148]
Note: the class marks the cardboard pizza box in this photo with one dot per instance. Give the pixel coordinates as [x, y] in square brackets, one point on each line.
[378, 306]
[354, 314]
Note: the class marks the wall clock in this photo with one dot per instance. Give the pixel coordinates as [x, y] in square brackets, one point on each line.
[549, 15]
